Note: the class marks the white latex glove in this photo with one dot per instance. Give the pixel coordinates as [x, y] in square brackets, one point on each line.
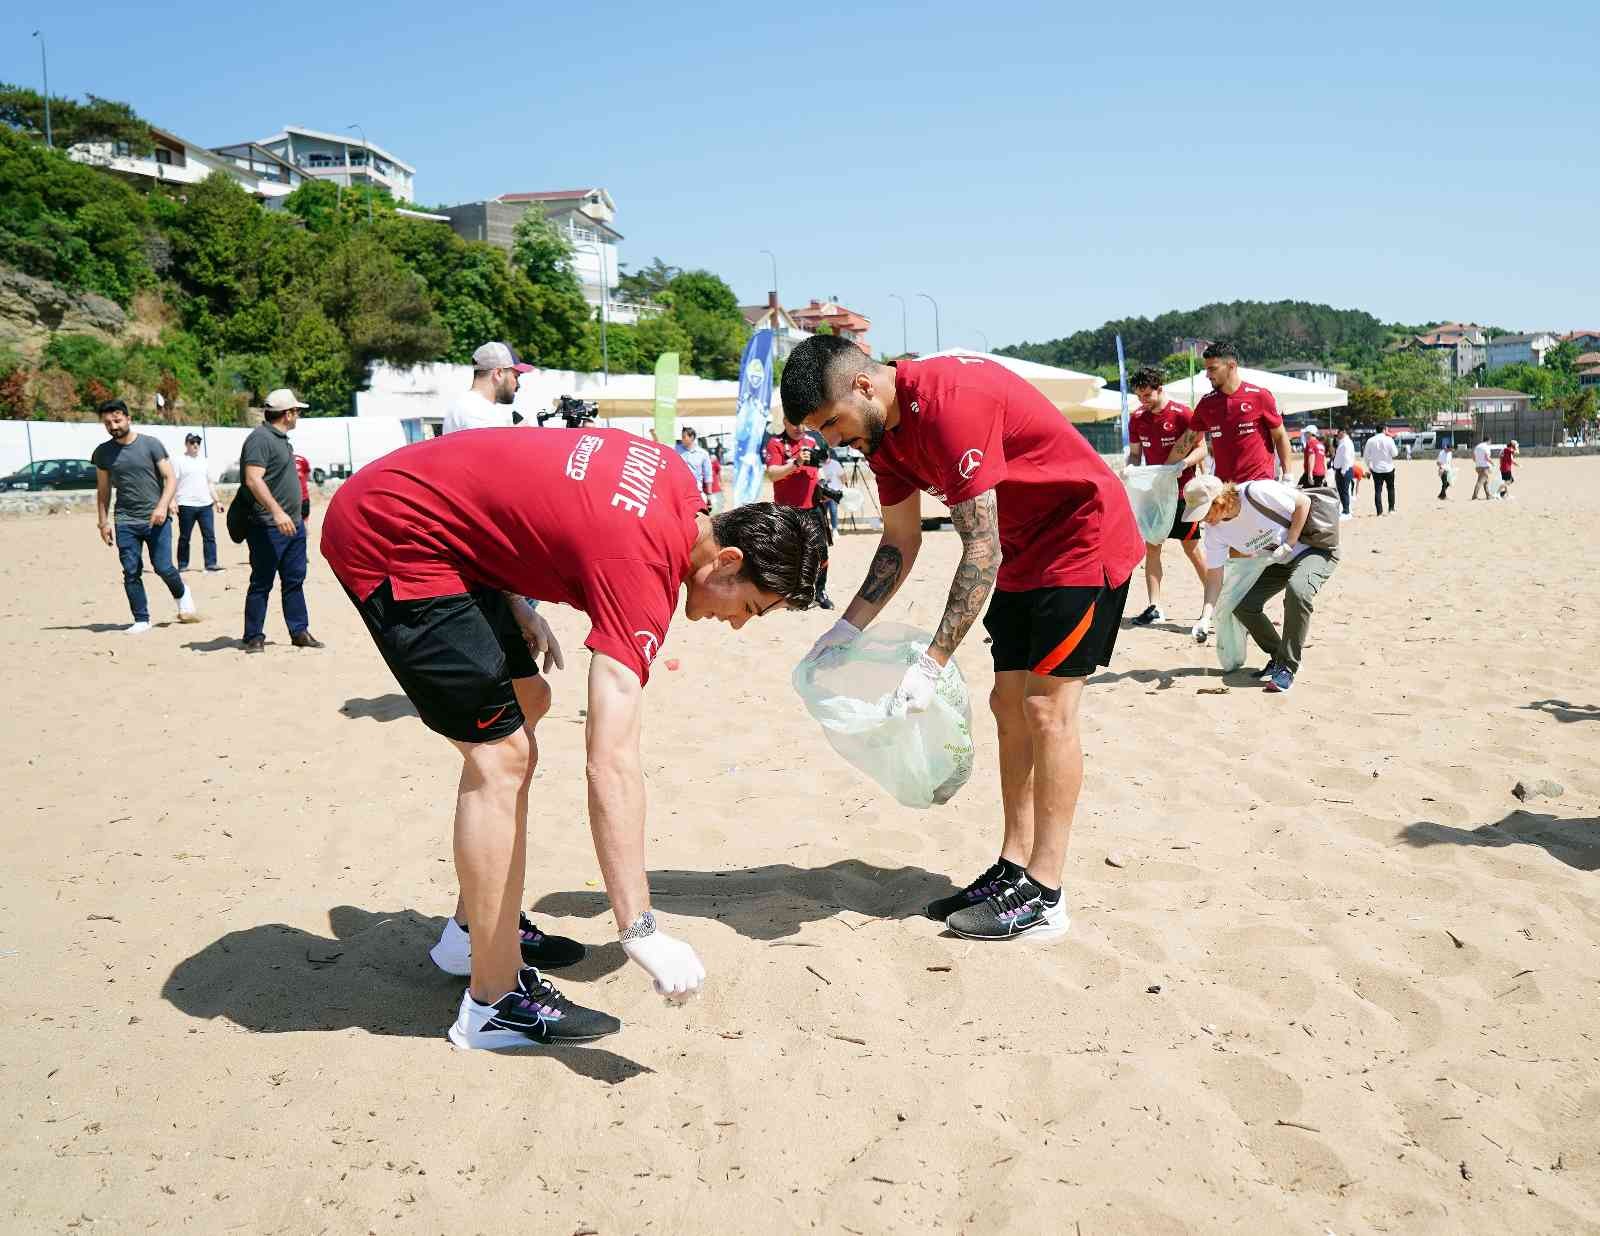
[839, 635]
[1201, 630]
[1283, 553]
[671, 964]
[541, 639]
[917, 688]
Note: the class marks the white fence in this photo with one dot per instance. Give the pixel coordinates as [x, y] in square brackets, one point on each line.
[326, 442]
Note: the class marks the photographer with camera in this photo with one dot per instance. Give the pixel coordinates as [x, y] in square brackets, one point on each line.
[794, 459]
[496, 370]
[574, 413]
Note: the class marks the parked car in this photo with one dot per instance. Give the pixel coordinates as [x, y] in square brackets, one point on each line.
[44, 474]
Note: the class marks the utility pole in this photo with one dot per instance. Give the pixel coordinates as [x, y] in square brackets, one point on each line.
[44, 64]
[905, 345]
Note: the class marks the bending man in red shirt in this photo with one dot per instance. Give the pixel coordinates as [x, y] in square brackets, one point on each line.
[1039, 514]
[1242, 430]
[437, 545]
[1153, 431]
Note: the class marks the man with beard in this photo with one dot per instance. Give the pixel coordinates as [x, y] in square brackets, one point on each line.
[486, 404]
[1039, 514]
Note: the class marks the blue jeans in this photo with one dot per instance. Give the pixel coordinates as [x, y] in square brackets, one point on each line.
[273, 554]
[188, 517]
[131, 542]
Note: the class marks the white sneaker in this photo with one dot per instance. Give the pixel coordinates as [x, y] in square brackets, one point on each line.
[137, 628]
[453, 953]
[186, 611]
[1342, 518]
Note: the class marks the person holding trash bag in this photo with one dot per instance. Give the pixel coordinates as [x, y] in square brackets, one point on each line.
[1041, 516]
[1271, 518]
[1156, 432]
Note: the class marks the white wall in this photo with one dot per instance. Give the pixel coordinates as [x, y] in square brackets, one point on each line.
[324, 441]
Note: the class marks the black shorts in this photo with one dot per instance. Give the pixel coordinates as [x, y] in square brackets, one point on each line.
[1059, 632]
[1182, 531]
[454, 657]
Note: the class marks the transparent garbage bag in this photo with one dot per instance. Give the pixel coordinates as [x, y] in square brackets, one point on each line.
[1153, 493]
[920, 758]
[1238, 577]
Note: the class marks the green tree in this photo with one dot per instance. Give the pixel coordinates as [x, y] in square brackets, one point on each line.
[315, 362]
[707, 310]
[557, 316]
[96, 120]
[1535, 380]
[648, 283]
[658, 333]
[1369, 405]
[1417, 388]
[1578, 410]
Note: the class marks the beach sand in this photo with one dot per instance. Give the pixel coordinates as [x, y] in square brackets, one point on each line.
[1377, 970]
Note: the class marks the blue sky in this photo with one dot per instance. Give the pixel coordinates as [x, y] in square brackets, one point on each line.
[1036, 168]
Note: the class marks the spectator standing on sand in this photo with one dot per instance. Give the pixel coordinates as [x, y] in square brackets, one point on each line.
[197, 503]
[1508, 459]
[302, 469]
[1379, 454]
[1480, 461]
[1446, 462]
[1344, 465]
[277, 540]
[692, 453]
[137, 468]
[1315, 457]
[486, 404]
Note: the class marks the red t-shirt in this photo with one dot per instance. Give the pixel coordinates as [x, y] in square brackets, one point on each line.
[969, 425]
[1155, 432]
[594, 518]
[1316, 456]
[304, 469]
[1238, 429]
[716, 475]
[799, 488]
[1508, 455]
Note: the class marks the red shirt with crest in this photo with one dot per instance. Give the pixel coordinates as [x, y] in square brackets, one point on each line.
[1156, 432]
[1238, 429]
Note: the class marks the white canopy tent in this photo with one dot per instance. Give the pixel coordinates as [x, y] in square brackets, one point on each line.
[1066, 388]
[1294, 395]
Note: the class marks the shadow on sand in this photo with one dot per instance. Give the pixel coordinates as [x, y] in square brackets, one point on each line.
[389, 707]
[1561, 710]
[1574, 842]
[373, 974]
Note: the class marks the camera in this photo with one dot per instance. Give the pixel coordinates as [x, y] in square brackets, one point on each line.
[828, 492]
[574, 413]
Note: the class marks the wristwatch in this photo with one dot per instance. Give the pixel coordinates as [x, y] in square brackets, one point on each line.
[644, 925]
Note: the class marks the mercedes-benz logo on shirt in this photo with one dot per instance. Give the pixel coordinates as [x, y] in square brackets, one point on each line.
[969, 463]
[648, 643]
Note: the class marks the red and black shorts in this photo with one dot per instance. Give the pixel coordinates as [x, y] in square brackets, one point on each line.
[1182, 531]
[1059, 632]
[455, 658]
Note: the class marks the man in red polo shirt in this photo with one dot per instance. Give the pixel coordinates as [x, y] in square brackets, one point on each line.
[1242, 430]
[1039, 514]
[793, 462]
[1152, 433]
[437, 544]
[1315, 472]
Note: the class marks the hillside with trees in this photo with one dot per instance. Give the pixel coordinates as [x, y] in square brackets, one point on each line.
[226, 299]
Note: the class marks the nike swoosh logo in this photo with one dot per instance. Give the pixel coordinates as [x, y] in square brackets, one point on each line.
[483, 725]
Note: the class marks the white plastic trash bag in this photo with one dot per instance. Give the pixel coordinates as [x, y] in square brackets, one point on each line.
[1153, 493]
[921, 758]
[1239, 575]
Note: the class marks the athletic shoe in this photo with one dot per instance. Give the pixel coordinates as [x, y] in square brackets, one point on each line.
[1018, 909]
[1203, 631]
[986, 885]
[186, 606]
[1152, 613]
[256, 643]
[136, 628]
[1280, 680]
[824, 601]
[453, 953]
[1266, 671]
[534, 1013]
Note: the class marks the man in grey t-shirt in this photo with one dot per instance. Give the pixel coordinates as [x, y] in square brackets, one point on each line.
[137, 468]
[276, 538]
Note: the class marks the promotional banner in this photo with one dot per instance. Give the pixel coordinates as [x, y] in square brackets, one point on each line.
[755, 409]
[667, 397]
[1122, 379]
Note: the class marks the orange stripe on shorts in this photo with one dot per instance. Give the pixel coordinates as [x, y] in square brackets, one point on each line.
[1063, 650]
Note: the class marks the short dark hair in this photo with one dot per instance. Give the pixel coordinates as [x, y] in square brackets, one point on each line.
[1148, 378]
[689, 429]
[112, 405]
[1221, 350]
[273, 415]
[817, 373]
[783, 548]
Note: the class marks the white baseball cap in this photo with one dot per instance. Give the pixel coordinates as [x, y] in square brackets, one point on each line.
[1312, 430]
[282, 400]
[1198, 495]
[498, 356]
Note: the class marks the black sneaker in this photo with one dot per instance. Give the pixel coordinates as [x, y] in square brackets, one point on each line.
[1152, 614]
[824, 601]
[984, 886]
[453, 953]
[1266, 671]
[534, 1013]
[1018, 909]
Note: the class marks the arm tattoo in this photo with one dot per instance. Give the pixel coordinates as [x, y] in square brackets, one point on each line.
[883, 576]
[978, 524]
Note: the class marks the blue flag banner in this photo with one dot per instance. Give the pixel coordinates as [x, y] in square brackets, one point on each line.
[1122, 381]
[755, 409]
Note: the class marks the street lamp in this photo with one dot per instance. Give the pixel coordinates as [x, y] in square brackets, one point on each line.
[774, 258]
[984, 337]
[44, 64]
[905, 345]
[366, 147]
[937, 345]
[605, 295]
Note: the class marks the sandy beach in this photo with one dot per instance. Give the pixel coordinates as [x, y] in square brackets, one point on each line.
[1344, 981]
